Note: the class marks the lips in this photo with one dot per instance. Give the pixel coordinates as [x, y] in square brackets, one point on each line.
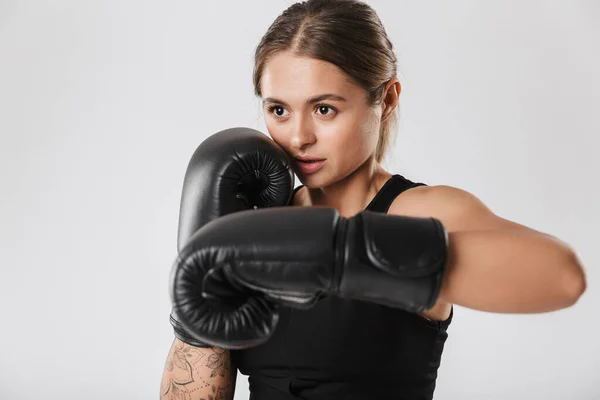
[309, 159]
[310, 165]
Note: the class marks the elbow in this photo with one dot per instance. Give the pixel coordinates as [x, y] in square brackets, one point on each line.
[574, 281]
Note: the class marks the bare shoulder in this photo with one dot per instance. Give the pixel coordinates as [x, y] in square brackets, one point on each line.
[434, 201]
[457, 209]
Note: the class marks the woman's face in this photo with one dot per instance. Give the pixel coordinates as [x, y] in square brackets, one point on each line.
[313, 109]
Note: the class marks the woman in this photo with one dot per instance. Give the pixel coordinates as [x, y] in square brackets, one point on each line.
[326, 74]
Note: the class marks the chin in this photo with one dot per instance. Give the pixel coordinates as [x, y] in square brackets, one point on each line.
[317, 180]
[311, 181]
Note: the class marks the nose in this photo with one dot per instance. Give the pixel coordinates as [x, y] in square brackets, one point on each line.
[303, 133]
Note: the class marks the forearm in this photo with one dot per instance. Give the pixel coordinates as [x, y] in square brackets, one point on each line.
[198, 373]
[509, 271]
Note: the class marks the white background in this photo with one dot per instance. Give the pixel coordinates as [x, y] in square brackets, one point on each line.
[103, 102]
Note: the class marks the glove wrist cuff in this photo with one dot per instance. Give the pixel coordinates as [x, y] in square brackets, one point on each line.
[396, 261]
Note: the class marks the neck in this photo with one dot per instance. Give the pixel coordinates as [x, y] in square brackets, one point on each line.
[352, 194]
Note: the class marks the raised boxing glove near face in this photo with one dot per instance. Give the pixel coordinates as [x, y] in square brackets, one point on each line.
[232, 170]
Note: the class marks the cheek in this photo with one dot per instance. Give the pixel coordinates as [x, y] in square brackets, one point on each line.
[356, 134]
[276, 131]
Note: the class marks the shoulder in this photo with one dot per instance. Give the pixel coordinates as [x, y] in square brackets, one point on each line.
[457, 209]
[442, 202]
[430, 195]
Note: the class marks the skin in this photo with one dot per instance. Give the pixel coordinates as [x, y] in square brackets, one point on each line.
[343, 129]
[194, 373]
[494, 265]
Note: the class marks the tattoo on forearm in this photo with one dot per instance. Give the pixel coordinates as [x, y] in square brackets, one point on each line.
[219, 363]
[183, 364]
[219, 394]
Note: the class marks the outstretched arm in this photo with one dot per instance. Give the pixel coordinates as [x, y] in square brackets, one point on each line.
[494, 264]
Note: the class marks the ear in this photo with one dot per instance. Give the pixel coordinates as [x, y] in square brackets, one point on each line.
[391, 95]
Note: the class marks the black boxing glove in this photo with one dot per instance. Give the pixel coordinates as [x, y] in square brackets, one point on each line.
[294, 256]
[232, 170]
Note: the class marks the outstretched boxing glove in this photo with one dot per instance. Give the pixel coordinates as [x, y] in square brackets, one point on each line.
[232, 170]
[295, 256]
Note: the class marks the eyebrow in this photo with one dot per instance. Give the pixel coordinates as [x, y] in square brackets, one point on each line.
[312, 100]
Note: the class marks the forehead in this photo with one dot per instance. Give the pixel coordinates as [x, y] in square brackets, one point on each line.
[292, 77]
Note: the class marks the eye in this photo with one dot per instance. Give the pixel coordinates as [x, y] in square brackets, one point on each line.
[325, 110]
[277, 111]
